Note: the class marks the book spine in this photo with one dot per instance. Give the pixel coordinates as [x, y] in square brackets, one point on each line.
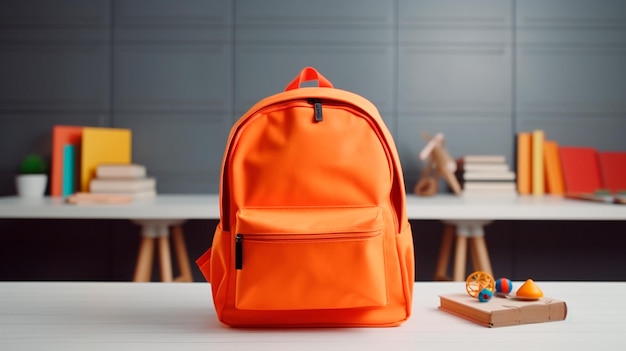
[523, 163]
[554, 175]
[120, 171]
[537, 181]
[69, 165]
[115, 186]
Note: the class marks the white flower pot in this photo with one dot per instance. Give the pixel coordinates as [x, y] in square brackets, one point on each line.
[31, 185]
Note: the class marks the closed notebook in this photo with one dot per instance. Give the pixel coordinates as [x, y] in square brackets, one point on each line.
[103, 145]
[581, 169]
[62, 136]
[101, 185]
[613, 169]
[484, 159]
[501, 312]
[113, 198]
[120, 171]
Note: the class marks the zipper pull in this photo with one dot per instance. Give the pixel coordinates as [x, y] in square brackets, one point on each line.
[317, 108]
[238, 251]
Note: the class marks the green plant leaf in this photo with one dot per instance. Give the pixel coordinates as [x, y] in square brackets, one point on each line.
[33, 164]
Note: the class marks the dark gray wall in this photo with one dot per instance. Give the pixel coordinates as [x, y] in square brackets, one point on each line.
[179, 73]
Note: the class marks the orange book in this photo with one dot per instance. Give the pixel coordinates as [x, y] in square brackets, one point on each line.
[523, 163]
[61, 136]
[537, 182]
[554, 175]
[581, 169]
[613, 170]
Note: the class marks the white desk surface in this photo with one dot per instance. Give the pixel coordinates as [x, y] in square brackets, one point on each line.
[180, 316]
[442, 207]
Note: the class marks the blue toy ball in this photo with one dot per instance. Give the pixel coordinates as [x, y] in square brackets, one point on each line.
[504, 286]
[485, 295]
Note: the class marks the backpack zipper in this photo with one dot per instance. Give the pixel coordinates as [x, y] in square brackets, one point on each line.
[302, 238]
[317, 108]
[238, 251]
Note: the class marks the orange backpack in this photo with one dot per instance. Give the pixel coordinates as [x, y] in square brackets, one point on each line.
[313, 228]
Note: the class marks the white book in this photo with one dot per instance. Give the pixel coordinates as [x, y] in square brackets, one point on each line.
[131, 185]
[485, 167]
[117, 170]
[489, 186]
[484, 158]
[489, 175]
[489, 193]
[105, 198]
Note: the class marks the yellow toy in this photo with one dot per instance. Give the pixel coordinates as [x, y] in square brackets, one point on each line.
[477, 282]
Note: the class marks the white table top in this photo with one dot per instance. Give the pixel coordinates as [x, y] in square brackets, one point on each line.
[180, 316]
[189, 206]
[164, 206]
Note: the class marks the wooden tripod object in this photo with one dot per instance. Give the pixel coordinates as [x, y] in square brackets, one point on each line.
[438, 163]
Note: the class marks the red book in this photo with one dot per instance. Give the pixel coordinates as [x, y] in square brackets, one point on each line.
[581, 169]
[613, 169]
[61, 136]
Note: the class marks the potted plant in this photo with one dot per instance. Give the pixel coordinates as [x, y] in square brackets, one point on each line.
[32, 178]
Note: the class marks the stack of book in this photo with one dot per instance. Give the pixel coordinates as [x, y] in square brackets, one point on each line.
[486, 174]
[118, 183]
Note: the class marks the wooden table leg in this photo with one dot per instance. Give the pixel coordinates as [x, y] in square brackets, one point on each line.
[158, 230]
[460, 257]
[476, 266]
[181, 255]
[472, 230]
[143, 268]
[441, 269]
[165, 258]
[482, 254]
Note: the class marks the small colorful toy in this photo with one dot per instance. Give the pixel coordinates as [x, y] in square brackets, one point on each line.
[478, 284]
[504, 286]
[485, 295]
[529, 291]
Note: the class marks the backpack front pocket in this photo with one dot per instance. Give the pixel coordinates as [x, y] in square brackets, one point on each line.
[309, 258]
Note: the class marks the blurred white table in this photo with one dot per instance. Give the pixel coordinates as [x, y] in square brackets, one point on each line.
[159, 218]
[464, 218]
[440, 207]
[148, 316]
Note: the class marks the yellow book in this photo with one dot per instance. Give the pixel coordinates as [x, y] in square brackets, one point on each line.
[537, 182]
[524, 151]
[102, 145]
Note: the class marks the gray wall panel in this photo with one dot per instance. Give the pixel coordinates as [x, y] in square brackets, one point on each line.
[182, 151]
[350, 44]
[454, 77]
[262, 70]
[54, 77]
[54, 56]
[173, 88]
[186, 77]
[570, 71]
[328, 22]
